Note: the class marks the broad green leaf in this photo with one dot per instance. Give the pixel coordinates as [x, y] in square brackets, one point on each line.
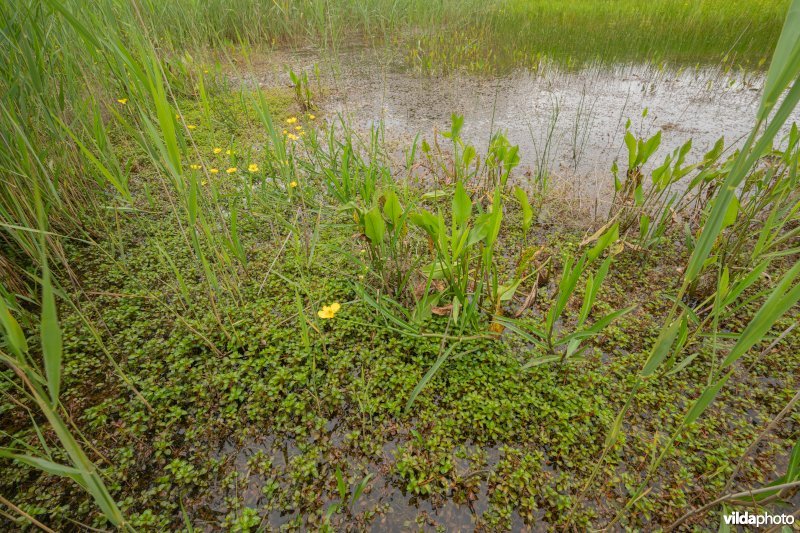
[462, 205]
[374, 227]
[731, 213]
[630, 142]
[506, 292]
[638, 195]
[525, 206]
[392, 208]
[469, 155]
[457, 124]
[427, 221]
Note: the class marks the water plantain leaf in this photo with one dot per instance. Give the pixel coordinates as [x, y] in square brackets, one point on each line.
[392, 208]
[427, 221]
[462, 206]
[630, 142]
[525, 206]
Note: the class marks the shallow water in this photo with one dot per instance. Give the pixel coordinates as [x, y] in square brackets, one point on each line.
[569, 124]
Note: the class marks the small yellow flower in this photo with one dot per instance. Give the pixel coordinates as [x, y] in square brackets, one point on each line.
[285, 132]
[311, 117]
[293, 184]
[194, 167]
[191, 126]
[292, 137]
[229, 152]
[231, 170]
[122, 101]
[204, 183]
[213, 170]
[291, 120]
[252, 168]
[205, 71]
[298, 127]
[329, 311]
[217, 150]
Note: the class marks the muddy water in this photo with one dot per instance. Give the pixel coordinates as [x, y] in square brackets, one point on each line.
[568, 124]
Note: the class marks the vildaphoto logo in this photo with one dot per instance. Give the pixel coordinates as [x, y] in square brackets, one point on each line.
[758, 520]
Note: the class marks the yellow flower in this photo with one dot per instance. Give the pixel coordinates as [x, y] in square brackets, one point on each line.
[292, 137]
[329, 311]
[194, 167]
[217, 150]
[231, 170]
[191, 126]
[229, 152]
[122, 101]
[203, 183]
[293, 184]
[285, 132]
[298, 127]
[213, 170]
[311, 117]
[291, 120]
[252, 168]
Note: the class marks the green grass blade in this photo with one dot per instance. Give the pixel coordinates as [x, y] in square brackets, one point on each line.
[782, 298]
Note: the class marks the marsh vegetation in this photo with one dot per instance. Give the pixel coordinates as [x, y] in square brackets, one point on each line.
[343, 266]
